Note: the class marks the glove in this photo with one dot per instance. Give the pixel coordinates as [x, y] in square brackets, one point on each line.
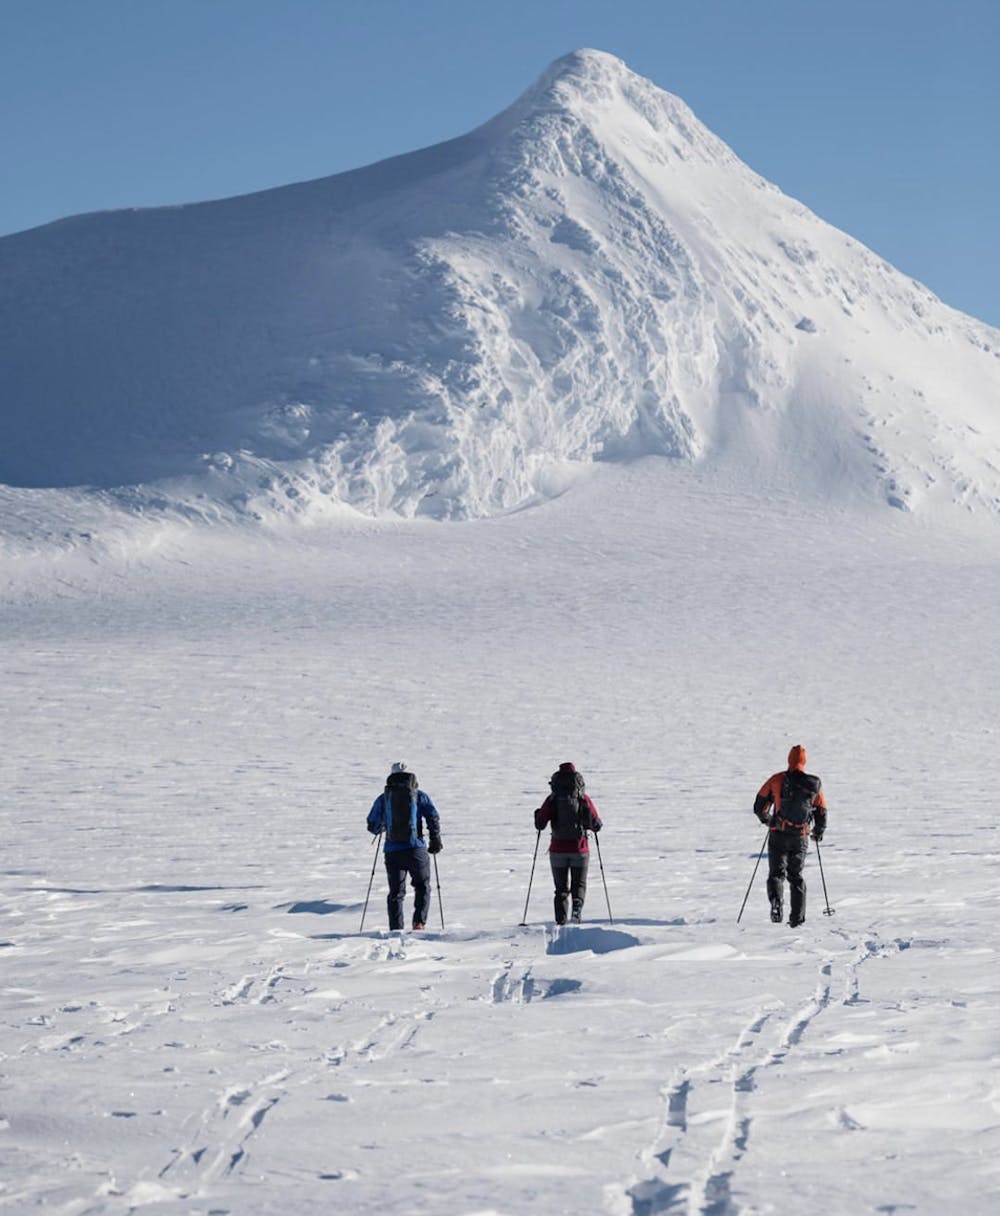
[762, 809]
[596, 827]
[817, 835]
[435, 845]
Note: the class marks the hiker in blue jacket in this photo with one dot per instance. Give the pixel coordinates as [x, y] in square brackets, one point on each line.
[401, 813]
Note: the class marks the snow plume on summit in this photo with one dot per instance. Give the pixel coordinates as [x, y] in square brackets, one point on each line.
[591, 275]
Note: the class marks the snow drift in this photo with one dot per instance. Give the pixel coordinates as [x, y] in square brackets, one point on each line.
[592, 275]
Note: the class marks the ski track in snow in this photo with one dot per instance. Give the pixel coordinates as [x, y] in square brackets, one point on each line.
[191, 1022]
[693, 1170]
[403, 983]
[710, 1116]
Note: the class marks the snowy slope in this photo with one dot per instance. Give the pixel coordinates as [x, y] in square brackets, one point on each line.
[191, 1022]
[592, 275]
[196, 719]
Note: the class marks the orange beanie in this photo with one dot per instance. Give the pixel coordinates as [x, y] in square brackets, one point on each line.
[797, 757]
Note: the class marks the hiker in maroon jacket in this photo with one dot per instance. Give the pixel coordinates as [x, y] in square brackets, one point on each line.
[571, 815]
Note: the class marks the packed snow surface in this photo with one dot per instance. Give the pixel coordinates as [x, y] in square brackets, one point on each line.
[224, 615]
[196, 721]
[592, 275]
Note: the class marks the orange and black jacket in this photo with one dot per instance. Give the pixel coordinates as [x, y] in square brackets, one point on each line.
[769, 795]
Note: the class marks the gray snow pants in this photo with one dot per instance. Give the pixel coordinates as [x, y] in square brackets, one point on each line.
[569, 874]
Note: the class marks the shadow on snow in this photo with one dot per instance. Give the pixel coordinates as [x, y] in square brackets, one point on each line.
[571, 940]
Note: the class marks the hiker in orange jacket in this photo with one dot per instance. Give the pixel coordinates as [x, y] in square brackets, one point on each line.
[789, 803]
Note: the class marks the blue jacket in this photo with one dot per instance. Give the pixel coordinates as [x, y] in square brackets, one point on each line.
[426, 813]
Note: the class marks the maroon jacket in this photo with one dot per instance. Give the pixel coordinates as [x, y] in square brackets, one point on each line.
[543, 816]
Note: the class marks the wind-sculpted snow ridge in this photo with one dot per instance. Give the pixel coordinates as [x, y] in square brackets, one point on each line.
[591, 275]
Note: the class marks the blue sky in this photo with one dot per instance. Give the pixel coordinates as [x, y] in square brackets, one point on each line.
[881, 115]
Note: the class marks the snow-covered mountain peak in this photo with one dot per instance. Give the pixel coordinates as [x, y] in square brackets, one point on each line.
[597, 91]
[591, 275]
[588, 82]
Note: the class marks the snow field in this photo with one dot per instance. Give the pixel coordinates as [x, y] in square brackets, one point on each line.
[190, 1021]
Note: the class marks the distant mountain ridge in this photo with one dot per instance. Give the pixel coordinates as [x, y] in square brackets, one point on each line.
[591, 275]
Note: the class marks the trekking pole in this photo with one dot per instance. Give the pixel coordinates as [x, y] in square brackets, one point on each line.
[437, 880]
[524, 918]
[597, 841]
[754, 875]
[827, 911]
[370, 881]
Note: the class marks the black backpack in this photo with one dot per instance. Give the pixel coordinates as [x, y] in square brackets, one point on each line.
[401, 808]
[797, 793]
[570, 813]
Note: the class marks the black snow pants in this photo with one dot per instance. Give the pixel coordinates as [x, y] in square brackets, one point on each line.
[786, 854]
[417, 864]
[569, 874]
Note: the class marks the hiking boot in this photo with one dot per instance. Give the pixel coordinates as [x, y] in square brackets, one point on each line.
[576, 917]
[795, 921]
[776, 913]
[418, 925]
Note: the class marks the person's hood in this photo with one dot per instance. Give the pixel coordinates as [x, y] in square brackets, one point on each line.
[797, 757]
